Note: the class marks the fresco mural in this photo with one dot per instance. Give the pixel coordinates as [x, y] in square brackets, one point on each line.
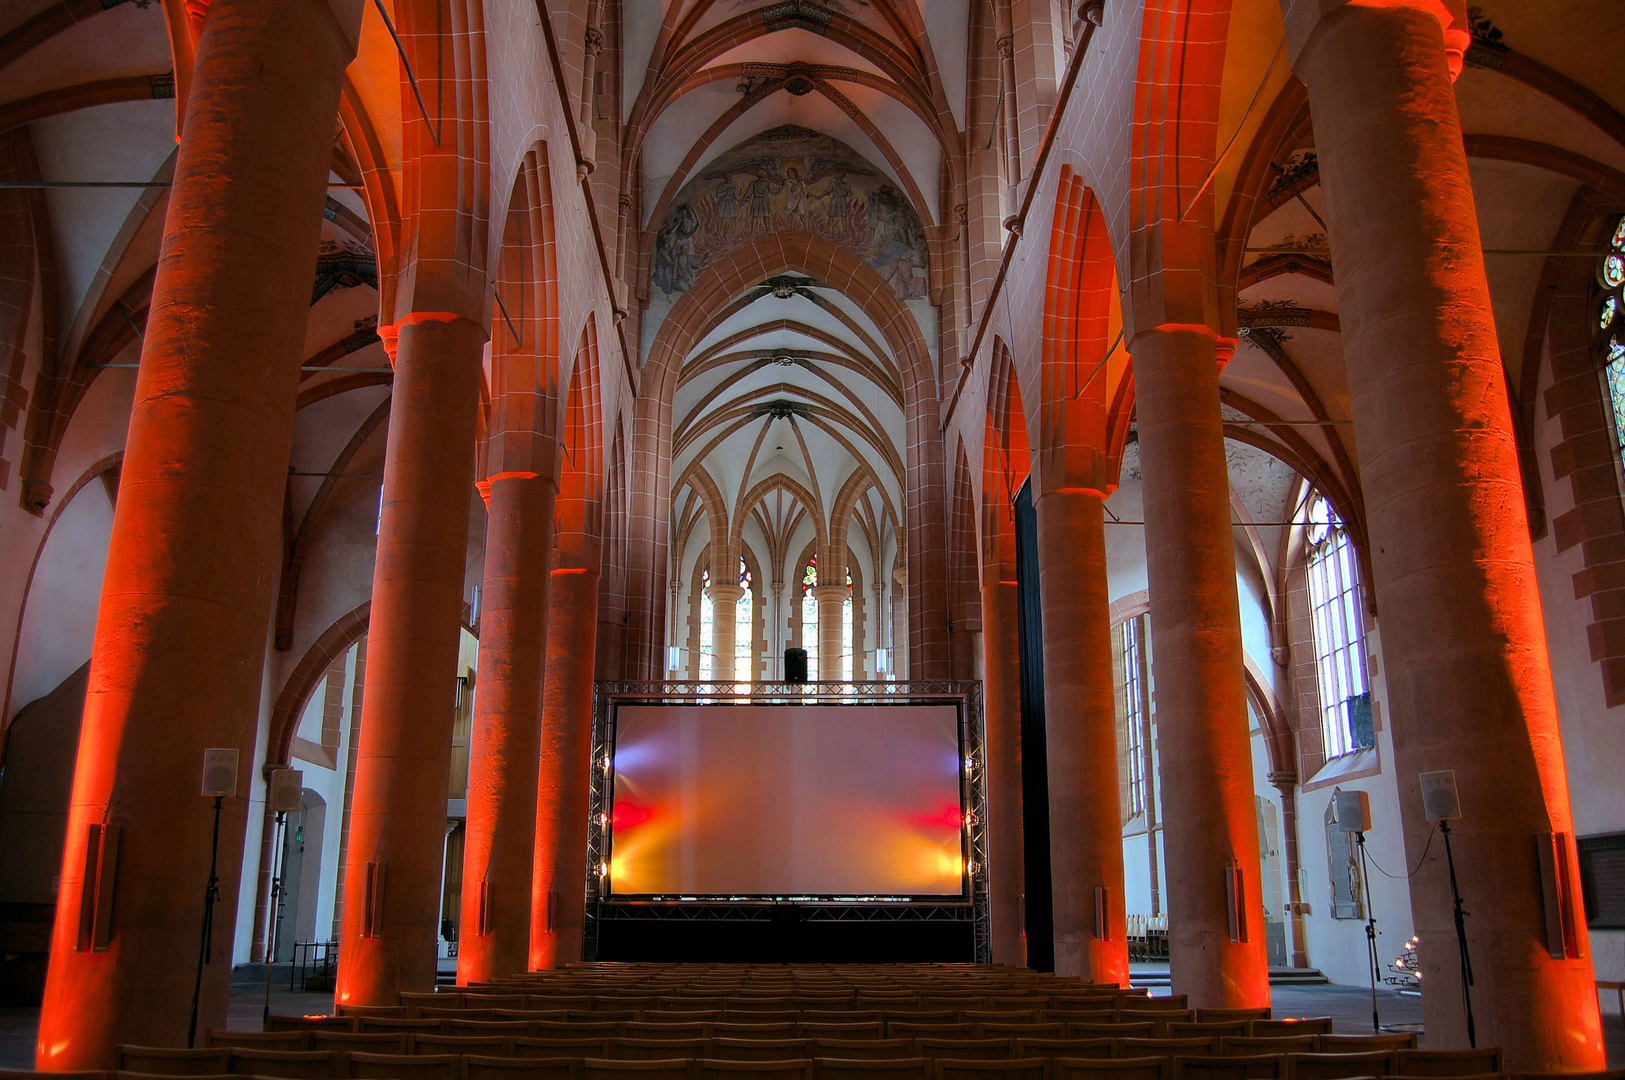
[791, 178]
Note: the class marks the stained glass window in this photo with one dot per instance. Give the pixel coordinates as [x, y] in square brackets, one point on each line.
[744, 627]
[846, 631]
[1611, 326]
[708, 630]
[809, 616]
[1334, 602]
[1134, 700]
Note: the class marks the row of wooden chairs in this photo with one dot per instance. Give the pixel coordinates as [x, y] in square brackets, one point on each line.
[492, 999]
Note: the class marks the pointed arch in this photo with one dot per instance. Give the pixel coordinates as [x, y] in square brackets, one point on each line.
[964, 580]
[580, 504]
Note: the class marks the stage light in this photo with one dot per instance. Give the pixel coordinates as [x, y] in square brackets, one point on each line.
[603, 819]
[970, 820]
[606, 763]
[970, 764]
[603, 870]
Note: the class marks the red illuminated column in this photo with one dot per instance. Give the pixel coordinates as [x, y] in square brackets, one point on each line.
[1086, 824]
[831, 618]
[724, 617]
[500, 841]
[1469, 681]
[1208, 802]
[1002, 686]
[398, 809]
[558, 888]
[192, 564]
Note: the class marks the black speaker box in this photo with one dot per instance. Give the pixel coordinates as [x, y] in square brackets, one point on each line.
[795, 665]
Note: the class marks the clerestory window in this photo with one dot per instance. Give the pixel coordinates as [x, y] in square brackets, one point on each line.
[1334, 600]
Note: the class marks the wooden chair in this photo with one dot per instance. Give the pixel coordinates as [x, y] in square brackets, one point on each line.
[619, 1069]
[1232, 1067]
[721, 1069]
[1306, 1066]
[999, 1016]
[1608, 1074]
[873, 1029]
[482, 1000]
[557, 1001]
[1268, 1044]
[259, 1040]
[1159, 1019]
[1292, 1025]
[750, 1003]
[507, 1028]
[862, 1049]
[646, 1029]
[658, 1049]
[293, 1064]
[479, 1067]
[596, 1016]
[275, 1022]
[1033, 1030]
[842, 1016]
[1093, 1030]
[1176, 1002]
[909, 1029]
[965, 1049]
[403, 1066]
[385, 1012]
[681, 1016]
[574, 1029]
[1139, 1068]
[917, 1068]
[921, 1016]
[1182, 1029]
[429, 1012]
[370, 1025]
[1071, 1048]
[728, 1029]
[549, 1047]
[486, 1045]
[32, 1074]
[171, 1061]
[1014, 1069]
[1206, 1016]
[1194, 1046]
[414, 999]
[1356, 1044]
[1485, 1059]
[375, 1042]
[760, 1049]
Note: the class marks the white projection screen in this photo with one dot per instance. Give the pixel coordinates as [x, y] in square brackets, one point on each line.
[786, 800]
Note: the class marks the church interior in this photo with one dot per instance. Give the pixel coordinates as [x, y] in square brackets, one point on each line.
[919, 538]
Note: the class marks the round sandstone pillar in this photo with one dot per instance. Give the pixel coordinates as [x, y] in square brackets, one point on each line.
[558, 887]
[831, 601]
[500, 843]
[725, 599]
[1006, 863]
[192, 564]
[398, 806]
[1208, 801]
[1086, 823]
[1469, 681]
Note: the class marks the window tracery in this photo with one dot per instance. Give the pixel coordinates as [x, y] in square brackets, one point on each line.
[1339, 630]
[1611, 327]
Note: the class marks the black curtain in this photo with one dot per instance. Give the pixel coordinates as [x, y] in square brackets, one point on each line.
[1034, 752]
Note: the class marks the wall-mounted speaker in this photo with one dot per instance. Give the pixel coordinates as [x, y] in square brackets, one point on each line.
[795, 665]
[1439, 799]
[1353, 810]
[219, 771]
[287, 786]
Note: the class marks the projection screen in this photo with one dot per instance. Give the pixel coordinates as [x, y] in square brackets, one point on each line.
[786, 800]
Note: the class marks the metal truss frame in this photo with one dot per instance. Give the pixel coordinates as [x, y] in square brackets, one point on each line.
[966, 695]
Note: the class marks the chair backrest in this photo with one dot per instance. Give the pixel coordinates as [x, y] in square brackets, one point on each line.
[733, 1029]
[894, 1028]
[863, 1049]
[1181, 1029]
[368, 1025]
[787, 1069]
[658, 1049]
[644, 1029]
[171, 1061]
[1092, 1030]
[376, 1042]
[1306, 1066]
[1355, 1044]
[1268, 1044]
[1193, 1045]
[760, 1049]
[492, 1045]
[755, 1003]
[916, 1068]
[480, 1067]
[1177, 1002]
[260, 1040]
[687, 1002]
[488, 1027]
[921, 1016]
[1072, 1048]
[1205, 1016]
[383, 1012]
[275, 1022]
[681, 1016]
[1137, 1068]
[291, 1064]
[599, 1015]
[1014, 1069]
[1293, 1025]
[842, 1016]
[1031, 1030]
[1232, 1067]
[1485, 1059]
[403, 1066]
[574, 1029]
[818, 1029]
[965, 1049]
[1001, 1016]
[559, 1046]
[483, 1000]
[609, 1069]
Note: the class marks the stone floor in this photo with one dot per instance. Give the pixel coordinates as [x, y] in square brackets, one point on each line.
[1348, 1006]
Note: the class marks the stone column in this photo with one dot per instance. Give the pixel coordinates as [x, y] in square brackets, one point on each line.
[831, 607]
[1211, 818]
[196, 541]
[724, 614]
[1287, 785]
[1469, 681]
[1086, 822]
[495, 937]
[558, 887]
[391, 913]
[1001, 662]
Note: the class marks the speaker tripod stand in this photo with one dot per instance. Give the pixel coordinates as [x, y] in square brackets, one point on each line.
[211, 893]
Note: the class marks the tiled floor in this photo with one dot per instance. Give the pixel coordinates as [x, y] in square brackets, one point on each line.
[1349, 1007]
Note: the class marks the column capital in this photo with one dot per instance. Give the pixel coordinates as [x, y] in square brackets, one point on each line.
[822, 593]
[1307, 20]
[725, 594]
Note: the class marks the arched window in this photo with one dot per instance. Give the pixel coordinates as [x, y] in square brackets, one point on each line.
[708, 630]
[1334, 603]
[846, 631]
[1611, 326]
[809, 616]
[744, 627]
